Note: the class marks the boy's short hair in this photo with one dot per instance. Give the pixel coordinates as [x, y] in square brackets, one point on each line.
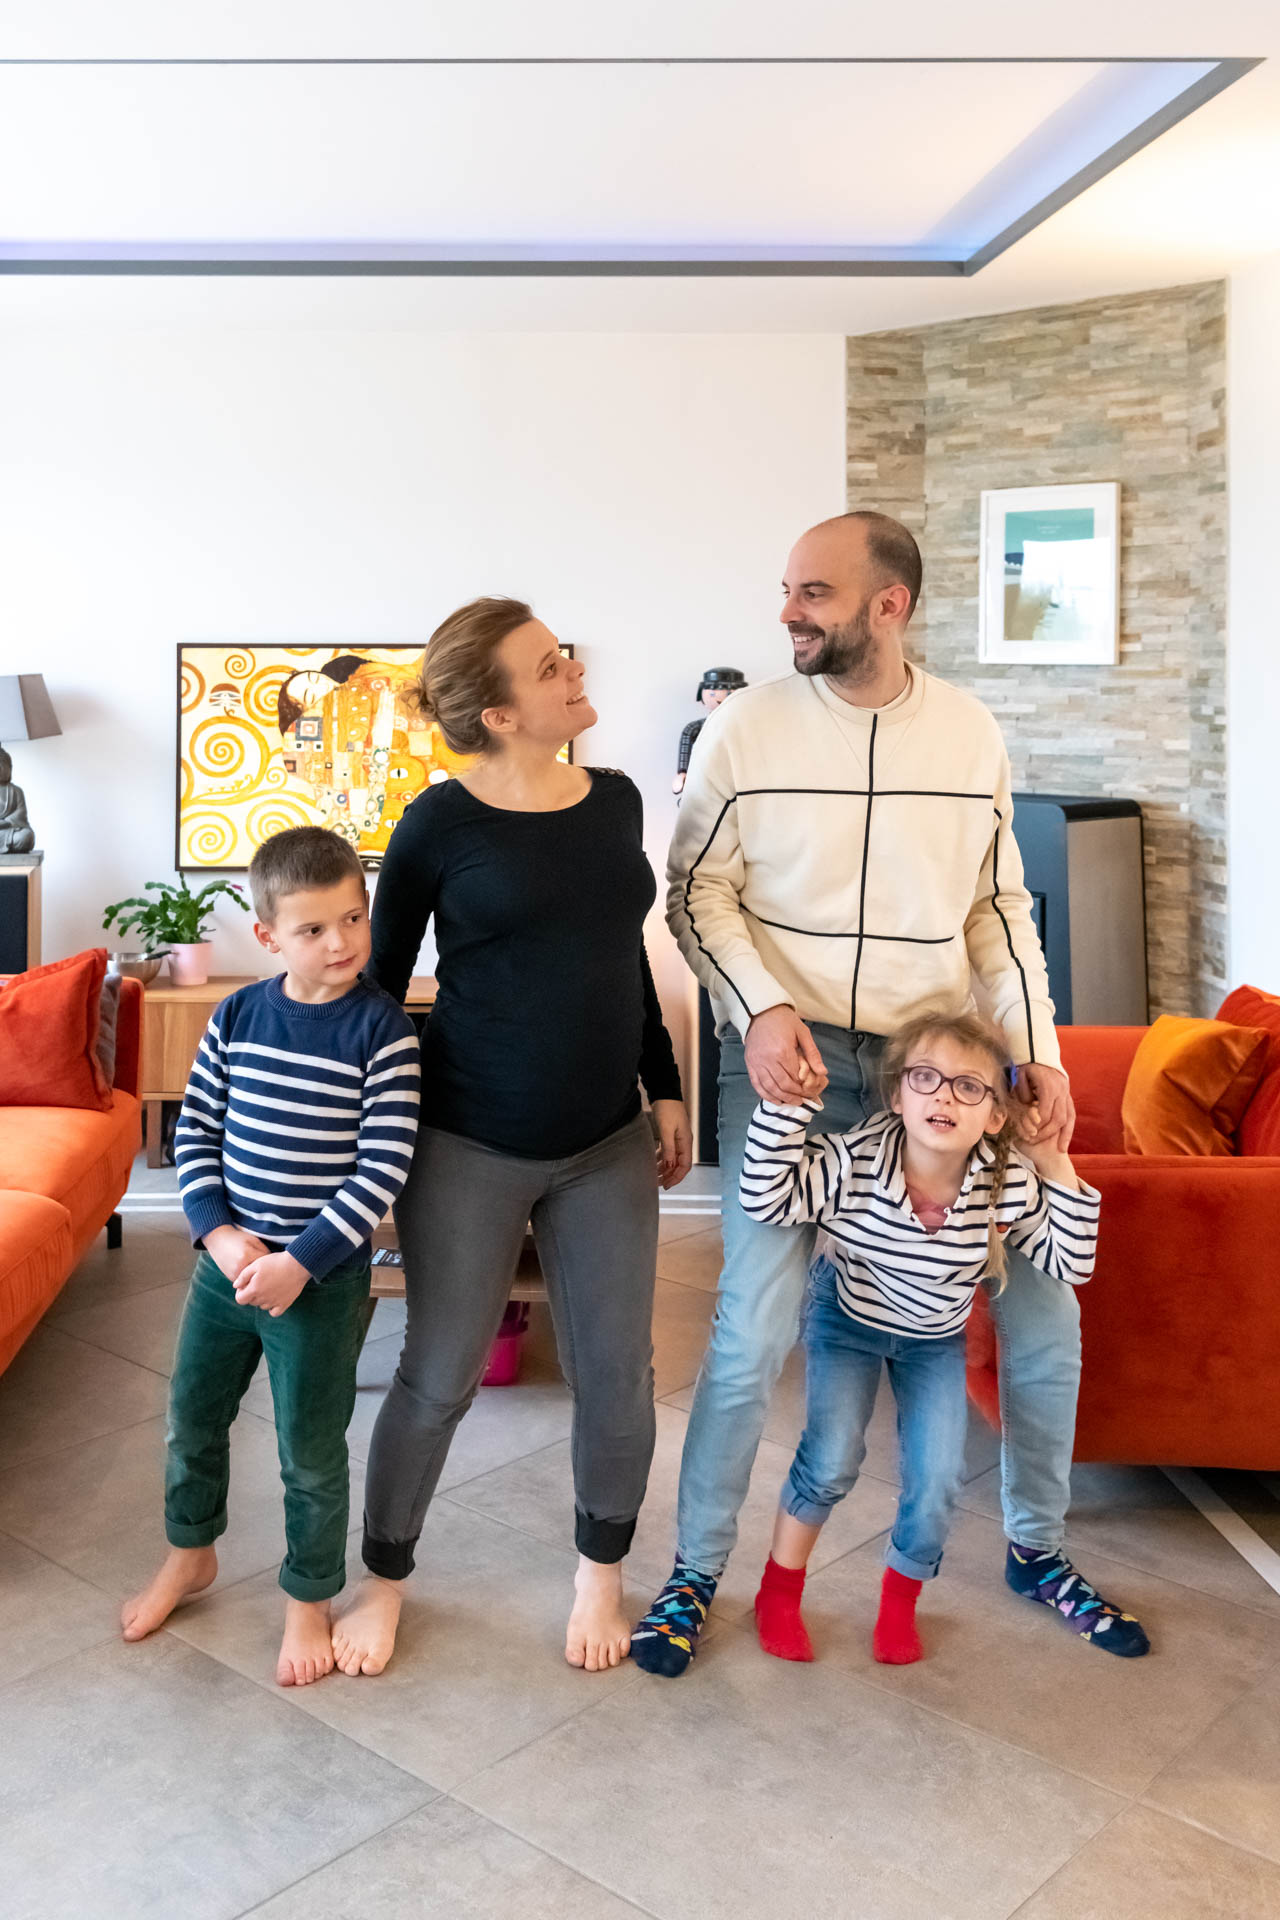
[298, 859]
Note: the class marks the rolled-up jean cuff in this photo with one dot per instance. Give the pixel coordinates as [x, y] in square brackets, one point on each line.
[389, 1559]
[908, 1568]
[607, 1541]
[299, 1589]
[807, 1512]
[179, 1534]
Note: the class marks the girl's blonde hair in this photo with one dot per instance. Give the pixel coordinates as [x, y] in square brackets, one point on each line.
[461, 673]
[978, 1036]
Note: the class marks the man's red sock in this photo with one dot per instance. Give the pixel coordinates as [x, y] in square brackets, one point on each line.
[778, 1623]
[895, 1641]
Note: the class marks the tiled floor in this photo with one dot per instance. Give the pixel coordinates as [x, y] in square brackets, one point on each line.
[1014, 1771]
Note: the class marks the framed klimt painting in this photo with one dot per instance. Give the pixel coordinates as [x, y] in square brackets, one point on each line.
[272, 737]
[1050, 575]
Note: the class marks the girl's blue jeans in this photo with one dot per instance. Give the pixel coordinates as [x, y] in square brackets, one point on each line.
[843, 1360]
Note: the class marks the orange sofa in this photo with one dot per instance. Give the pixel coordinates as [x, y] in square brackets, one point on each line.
[1181, 1322]
[62, 1172]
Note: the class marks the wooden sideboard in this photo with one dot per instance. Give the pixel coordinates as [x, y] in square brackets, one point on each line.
[173, 1023]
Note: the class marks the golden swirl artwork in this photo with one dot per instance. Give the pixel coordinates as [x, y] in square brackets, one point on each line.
[273, 737]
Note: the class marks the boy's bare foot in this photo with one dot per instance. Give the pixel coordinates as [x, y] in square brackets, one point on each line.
[598, 1635]
[305, 1652]
[186, 1571]
[364, 1634]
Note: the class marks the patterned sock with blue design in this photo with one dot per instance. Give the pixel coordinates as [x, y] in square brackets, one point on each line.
[666, 1640]
[1051, 1579]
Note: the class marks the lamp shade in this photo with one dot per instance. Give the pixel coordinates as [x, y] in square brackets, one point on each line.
[26, 711]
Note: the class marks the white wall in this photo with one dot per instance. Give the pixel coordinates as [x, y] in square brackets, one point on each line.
[208, 484]
[1253, 625]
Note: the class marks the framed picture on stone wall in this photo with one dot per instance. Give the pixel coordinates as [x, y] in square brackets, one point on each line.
[1050, 575]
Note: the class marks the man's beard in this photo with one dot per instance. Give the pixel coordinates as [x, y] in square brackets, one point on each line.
[846, 652]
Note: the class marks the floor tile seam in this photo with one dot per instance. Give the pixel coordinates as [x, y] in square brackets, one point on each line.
[533, 1453]
[294, 1699]
[434, 1795]
[1232, 1706]
[56, 1660]
[1129, 1797]
[478, 1513]
[1129, 1794]
[86, 1440]
[54, 1318]
[1134, 1566]
[690, 1286]
[1201, 1826]
[483, 1813]
[1074, 1855]
[96, 1346]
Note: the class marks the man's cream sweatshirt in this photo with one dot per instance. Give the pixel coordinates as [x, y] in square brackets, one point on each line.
[856, 863]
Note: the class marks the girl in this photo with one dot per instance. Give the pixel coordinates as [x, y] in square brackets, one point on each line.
[915, 1206]
[545, 1023]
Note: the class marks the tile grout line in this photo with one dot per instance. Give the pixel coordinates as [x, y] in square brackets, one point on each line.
[1075, 1853]
[435, 1796]
[90, 1439]
[587, 1878]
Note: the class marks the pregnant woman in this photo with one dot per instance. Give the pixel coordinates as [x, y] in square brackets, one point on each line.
[545, 1024]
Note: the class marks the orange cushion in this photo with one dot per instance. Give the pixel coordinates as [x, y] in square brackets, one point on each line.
[80, 1159]
[1189, 1084]
[35, 1258]
[49, 1021]
[1260, 1127]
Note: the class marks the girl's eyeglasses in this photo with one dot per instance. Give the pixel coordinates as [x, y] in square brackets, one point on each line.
[967, 1088]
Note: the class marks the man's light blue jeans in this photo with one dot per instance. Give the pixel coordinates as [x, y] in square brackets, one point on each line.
[757, 1321]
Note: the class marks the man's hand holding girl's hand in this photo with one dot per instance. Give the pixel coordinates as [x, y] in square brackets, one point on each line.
[272, 1282]
[675, 1141]
[782, 1057]
[1044, 1092]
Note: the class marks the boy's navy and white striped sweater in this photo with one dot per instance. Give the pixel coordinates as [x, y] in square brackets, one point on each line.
[891, 1272]
[299, 1120]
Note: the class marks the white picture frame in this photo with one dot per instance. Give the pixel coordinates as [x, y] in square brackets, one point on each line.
[1059, 604]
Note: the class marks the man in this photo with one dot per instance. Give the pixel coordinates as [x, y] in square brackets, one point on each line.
[844, 858]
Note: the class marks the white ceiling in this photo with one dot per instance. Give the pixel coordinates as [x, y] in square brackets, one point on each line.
[929, 158]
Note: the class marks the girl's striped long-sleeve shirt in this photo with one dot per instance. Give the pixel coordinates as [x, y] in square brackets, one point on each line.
[299, 1120]
[891, 1272]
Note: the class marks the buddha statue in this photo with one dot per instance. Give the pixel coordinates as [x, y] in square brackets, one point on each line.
[16, 835]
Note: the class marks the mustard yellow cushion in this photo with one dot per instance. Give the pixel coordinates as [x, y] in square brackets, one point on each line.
[1189, 1085]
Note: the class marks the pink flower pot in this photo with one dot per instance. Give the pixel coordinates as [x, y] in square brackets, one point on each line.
[189, 965]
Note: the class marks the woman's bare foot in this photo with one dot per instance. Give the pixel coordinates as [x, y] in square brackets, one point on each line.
[598, 1635]
[364, 1634]
[306, 1653]
[186, 1571]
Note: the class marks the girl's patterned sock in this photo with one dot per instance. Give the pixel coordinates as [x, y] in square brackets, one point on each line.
[666, 1640]
[1051, 1579]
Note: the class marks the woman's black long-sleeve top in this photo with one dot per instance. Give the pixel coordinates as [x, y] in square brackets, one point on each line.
[546, 1014]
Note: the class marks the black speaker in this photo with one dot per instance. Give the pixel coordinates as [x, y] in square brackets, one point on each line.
[15, 920]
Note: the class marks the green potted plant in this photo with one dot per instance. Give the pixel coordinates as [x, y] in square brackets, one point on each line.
[175, 923]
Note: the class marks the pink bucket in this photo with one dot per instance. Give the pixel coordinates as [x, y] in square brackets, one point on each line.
[503, 1369]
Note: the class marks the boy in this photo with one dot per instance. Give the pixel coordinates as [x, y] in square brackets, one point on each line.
[295, 1137]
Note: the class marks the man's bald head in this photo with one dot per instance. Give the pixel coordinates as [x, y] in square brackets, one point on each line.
[889, 546]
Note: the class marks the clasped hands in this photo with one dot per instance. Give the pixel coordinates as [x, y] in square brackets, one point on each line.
[261, 1278]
